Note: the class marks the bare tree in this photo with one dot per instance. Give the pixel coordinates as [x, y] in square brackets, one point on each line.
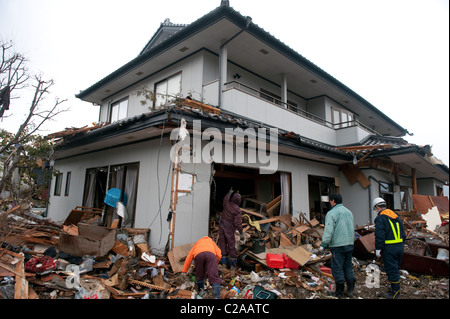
[14, 77]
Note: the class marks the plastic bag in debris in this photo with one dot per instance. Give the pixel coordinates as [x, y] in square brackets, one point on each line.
[92, 289]
[254, 277]
[7, 288]
[7, 291]
[143, 271]
[442, 254]
[121, 209]
[148, 258]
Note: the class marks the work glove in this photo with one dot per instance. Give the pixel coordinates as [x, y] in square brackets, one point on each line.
[378, 253]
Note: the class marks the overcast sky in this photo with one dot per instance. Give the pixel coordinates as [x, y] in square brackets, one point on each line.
[394, 53]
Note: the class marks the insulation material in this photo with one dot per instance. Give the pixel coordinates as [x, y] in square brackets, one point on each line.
[433, 219]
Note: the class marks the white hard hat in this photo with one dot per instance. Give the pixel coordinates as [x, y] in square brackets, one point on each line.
[378, 201]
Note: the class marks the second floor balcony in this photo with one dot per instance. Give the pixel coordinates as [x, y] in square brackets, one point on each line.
[259, 106]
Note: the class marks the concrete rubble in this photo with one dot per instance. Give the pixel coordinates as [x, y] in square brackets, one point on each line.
[35, 263]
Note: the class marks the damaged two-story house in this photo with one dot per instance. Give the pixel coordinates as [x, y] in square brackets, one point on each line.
[248, 112]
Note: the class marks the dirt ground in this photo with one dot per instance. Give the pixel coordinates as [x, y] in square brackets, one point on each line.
[413, 286]
[287, 284]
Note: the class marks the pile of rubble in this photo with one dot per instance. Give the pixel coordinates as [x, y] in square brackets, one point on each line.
[79, 259]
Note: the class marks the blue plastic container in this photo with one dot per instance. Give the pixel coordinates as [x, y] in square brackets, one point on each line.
[113, 196]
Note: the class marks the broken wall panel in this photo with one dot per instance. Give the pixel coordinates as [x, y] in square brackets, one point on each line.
[354, 174]
[192, 208]
[423, 203]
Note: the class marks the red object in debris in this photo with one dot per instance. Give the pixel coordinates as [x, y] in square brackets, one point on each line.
[290, 263]
[325, 270]
[40, 264]
[274, 260]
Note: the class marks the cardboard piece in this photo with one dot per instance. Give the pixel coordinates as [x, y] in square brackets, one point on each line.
[300, 255]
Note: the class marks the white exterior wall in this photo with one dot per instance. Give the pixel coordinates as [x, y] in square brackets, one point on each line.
[358, 198]
[190, 226]
[191, 84]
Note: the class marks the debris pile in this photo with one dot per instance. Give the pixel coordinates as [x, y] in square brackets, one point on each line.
[279, 259]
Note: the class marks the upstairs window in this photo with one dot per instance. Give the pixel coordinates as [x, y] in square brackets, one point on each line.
[167, 90]
[342, 118]
[119, 110]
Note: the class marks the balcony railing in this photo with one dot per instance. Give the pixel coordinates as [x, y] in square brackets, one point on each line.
[293, 108]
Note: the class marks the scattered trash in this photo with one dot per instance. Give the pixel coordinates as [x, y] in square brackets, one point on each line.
[81, 259]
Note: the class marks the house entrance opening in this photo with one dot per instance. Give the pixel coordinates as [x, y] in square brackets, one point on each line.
[256, 189]
[320, 187]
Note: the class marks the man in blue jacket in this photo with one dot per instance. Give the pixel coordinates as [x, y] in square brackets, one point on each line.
[389, 243]
[339, 235]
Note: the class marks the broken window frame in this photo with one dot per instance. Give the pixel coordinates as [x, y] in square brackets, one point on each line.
[93, 172]
[405, 197]
[67, 186]
[387, 193]
[125, 183]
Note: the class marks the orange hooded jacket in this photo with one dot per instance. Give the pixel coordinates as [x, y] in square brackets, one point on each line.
[202, 245]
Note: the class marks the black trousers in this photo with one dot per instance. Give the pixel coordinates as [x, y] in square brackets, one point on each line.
[392, 256]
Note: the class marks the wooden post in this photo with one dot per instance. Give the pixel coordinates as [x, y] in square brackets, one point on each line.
[414, 181]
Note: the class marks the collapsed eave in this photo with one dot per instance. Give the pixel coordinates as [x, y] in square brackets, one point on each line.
[154, 124]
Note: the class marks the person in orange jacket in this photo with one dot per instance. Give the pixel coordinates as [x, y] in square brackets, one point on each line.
[206, 255]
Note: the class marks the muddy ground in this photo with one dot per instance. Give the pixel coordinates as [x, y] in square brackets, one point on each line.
[288, 284]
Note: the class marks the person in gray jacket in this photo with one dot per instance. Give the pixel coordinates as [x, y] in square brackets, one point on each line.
[339, 234]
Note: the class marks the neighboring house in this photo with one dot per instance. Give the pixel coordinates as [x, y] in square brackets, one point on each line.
[220, 73]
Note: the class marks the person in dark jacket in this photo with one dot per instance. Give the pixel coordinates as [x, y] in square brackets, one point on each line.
[389, 243]
[230, 221]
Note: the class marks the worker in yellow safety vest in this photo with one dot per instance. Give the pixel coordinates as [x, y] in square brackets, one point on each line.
[389, 243]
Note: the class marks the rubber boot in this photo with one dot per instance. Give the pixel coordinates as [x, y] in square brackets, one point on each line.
[216, 288]
[201, 292]
[224, 261]
[200, 285]
[395, 291]
[339, 293]
[233, 262]
[350, 288]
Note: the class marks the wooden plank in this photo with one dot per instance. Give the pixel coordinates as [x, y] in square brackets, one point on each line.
[271, 210]
[285, 241]
[21, 285]
[178, 253]
[268, 220]
[301, 228]
[248, 211]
